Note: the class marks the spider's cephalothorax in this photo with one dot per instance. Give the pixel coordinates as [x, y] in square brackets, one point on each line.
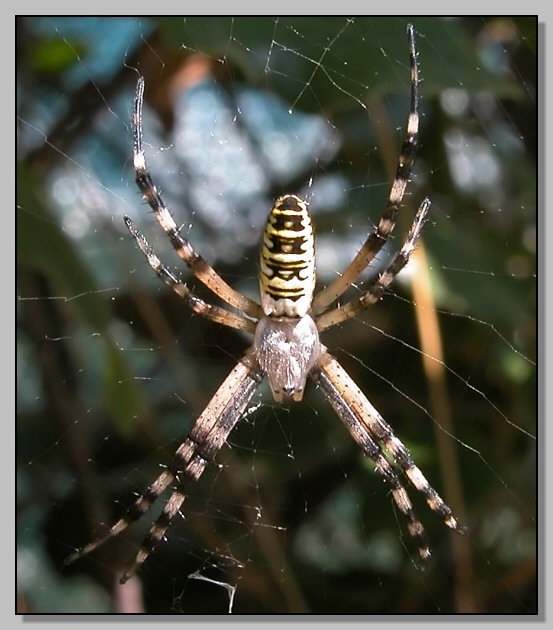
[286, 348]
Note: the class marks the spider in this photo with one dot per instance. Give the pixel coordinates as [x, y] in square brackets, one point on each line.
[286, 347]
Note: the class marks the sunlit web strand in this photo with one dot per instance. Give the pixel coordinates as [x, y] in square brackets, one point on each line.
[456, 375]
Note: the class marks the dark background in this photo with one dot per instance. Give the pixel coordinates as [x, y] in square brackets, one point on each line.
[112, 370]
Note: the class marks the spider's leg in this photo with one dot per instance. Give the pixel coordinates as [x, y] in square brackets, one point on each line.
[196, 304]
[206, 438]
[197, 265]
[370, 430]
[376, 289]
[378, 238]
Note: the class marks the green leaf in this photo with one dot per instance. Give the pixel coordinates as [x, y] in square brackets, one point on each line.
[43, 245]
[55, 55]
[123, 398]
[332, 62]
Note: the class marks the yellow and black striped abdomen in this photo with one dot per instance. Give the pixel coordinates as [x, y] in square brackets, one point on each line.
[287, 276]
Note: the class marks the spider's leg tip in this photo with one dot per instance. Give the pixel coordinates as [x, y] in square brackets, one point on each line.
[126, 577]
[425, 553]
[462, 529]
[71, 558]
[454, 524]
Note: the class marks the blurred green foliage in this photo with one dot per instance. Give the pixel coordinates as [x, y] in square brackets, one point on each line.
[112, 371]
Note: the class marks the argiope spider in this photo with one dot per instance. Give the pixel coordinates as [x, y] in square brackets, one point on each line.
[286, 346]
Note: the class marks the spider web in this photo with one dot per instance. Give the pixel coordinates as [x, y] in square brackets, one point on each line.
[112, 370]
